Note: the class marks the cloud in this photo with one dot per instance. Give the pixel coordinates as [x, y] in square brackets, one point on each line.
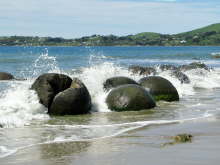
[74, 18]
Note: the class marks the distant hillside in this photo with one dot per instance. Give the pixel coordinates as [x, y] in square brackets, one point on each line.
[210, 28]
[209, 35]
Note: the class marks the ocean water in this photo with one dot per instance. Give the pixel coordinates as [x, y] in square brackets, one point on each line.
[26, 124]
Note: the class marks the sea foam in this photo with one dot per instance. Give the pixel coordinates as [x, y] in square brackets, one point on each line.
[19, 105]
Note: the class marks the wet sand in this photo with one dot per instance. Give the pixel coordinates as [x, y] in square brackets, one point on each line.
[147, 145]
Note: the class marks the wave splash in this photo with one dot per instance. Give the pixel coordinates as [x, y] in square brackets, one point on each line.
[19, 105]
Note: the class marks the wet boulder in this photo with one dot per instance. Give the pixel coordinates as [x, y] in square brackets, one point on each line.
[136, 69]
[6, 76]
[194, 65]
[129, 98]
[160, 88]
[183, 78]
[148, 71]
[72, 101]
[117, 81]
[167, 67]
[142, 70]
[48, 85]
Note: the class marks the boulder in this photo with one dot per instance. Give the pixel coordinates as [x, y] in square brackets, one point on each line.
[72, 101]
[142, 70]
[6, 76]
[48, 85]
[167, 67]
[136, 69]
[117, 81]
[183, 78]
[129, 98]
[160, 88]
[194, 65]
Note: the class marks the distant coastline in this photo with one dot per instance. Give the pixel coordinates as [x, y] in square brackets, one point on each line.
[207, 36]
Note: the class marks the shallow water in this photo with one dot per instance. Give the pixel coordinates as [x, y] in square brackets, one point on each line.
[28, 130]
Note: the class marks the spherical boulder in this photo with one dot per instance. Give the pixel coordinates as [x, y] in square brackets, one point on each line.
[6, 76]
[48, 85]
[160, 88]
[72, 101]
[117, 81]
[129, 98]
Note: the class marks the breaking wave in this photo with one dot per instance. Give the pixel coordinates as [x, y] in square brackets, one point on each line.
[19, 105]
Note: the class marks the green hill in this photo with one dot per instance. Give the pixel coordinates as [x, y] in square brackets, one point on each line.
[145, 35]
[211, 28]
[209, 35]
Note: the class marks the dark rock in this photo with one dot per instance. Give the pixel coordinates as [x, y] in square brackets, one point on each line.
[194, 65]
[48, 85]
[20, 79]
[72, 101]
[167, 67]
[142, 70]
[129, 98]
[136, 69]
[160, 88]
[148, 71]
[6, 76]
[117, 81]
[183, 78]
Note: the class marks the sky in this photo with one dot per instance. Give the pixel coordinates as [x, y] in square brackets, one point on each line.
[77, 18]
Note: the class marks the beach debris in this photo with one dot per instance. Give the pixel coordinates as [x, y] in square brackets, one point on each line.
[178, 139]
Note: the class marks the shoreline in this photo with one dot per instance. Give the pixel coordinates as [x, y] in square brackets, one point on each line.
[136, 146]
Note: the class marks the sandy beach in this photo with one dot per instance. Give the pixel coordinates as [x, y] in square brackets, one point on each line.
[147, 145]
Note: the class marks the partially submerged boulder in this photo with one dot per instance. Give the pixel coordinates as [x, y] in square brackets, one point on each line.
[117, 81]
[160, 88]
[175, 72]
[48, 85]
[142, 70]
[72, 101]
[6, 76]
[183, 78]
[194, 65]
[129, 98]
[165, 67]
